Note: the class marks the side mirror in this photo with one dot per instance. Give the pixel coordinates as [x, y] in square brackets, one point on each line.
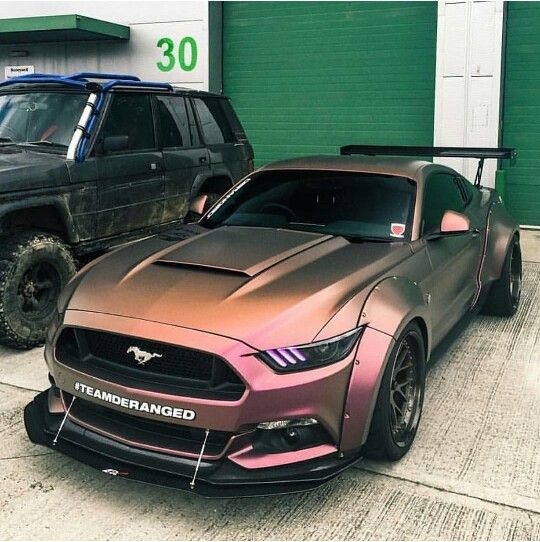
[115, 143]
[454, 222]
[196, 207]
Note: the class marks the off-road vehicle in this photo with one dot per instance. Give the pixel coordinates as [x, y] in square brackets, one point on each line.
[91, 160]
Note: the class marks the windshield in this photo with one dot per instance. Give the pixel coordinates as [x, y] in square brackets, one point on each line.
[46, 118]
[355, 205]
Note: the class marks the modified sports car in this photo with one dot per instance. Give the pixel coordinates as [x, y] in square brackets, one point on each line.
[284, 336]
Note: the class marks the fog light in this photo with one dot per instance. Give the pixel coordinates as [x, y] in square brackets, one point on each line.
[289, 435]
[284, 424]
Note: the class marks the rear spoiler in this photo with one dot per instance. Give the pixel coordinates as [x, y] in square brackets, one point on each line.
[481, 153]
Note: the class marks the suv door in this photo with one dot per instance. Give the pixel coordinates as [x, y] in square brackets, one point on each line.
[454, 258]
[230, 152]
[130, 181]
[184, 156]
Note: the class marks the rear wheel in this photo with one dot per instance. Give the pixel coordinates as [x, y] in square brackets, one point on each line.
[34, 268]
[505, 294]
[401, 395]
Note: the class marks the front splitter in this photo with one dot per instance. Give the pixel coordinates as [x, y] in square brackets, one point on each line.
[222, 479]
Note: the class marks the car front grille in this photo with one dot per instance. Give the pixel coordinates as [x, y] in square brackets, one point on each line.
[171, 369]
[147, 433]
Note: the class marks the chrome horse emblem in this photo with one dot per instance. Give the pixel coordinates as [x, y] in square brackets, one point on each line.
[142, 357]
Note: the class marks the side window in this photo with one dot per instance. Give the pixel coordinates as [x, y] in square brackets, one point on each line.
[214, 122]
[131, 115]
[173, 122]
[442, 193]
[193, 128]
[233, 119]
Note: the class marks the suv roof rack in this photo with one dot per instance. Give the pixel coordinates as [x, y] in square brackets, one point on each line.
[443, 152]
[81, 80]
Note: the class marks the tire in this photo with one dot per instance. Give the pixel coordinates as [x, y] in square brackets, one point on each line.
[388, 438]
[34, 268]
[504, 294]
[211, 198]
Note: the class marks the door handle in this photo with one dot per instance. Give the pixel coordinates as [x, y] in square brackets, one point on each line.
[154, 166]
[475, 232]
[203, 160]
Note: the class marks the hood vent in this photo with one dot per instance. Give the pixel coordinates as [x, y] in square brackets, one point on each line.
[202, 267]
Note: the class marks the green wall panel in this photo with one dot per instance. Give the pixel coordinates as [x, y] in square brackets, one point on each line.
[307, 77]
[521, 120]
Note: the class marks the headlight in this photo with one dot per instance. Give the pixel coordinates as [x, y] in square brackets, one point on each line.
[308, 356]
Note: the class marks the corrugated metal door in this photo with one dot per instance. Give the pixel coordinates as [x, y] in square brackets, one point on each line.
[521, 121]
[307, 77]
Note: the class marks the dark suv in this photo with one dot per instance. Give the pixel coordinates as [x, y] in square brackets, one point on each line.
[91, 160]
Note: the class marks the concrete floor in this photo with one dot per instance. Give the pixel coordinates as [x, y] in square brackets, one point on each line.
[473, 472]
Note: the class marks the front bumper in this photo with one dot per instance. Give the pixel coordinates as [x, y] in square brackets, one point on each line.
[215, 478]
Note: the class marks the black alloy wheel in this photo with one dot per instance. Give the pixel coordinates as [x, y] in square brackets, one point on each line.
[400, 398]
[406, 390]
[38, 290]
[34, 268]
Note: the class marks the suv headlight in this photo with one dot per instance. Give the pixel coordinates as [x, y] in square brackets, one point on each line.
[309, 356]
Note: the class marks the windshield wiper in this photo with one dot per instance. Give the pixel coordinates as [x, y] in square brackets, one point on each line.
[45, 143]
[365, 239]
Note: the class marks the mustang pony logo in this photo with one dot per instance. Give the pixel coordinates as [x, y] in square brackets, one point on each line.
[141, 357]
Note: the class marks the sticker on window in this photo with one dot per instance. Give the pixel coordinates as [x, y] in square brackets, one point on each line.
[397, 229]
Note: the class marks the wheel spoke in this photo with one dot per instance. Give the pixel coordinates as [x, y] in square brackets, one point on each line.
[396, 407]
[398, 390]
[34, 273]
[401, 385]
[44, 285]
[400, 359]
[404, 367]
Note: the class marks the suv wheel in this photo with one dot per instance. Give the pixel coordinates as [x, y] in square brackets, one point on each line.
[401, 396]
[34, 268]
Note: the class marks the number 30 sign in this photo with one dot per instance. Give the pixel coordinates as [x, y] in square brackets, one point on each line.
[186, 54]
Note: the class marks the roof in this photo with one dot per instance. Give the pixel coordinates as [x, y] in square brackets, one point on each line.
[60, 28]
[403, 167]
[100, 81]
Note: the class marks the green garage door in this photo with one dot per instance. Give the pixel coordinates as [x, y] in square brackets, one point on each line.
[521, 121]
[307, 77]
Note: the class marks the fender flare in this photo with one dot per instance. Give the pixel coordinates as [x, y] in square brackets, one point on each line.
[56, 202]
[203, 177]
[392, 304]
[501, 229]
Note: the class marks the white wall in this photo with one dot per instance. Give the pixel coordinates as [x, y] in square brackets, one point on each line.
[149, 21]
[468, 80]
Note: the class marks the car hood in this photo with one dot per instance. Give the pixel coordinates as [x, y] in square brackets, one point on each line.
[265, 287]
[25, 169]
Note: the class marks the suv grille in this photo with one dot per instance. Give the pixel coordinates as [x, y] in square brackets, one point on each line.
[173, 369]
[147, 432]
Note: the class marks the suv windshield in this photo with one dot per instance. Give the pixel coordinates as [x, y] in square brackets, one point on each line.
[354, 205]
[40, 117]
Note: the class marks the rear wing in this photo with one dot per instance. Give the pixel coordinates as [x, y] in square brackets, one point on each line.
[481, 153]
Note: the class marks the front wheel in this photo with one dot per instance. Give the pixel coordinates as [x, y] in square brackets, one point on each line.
[505, 293]
[34, 268]
[401, 395]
